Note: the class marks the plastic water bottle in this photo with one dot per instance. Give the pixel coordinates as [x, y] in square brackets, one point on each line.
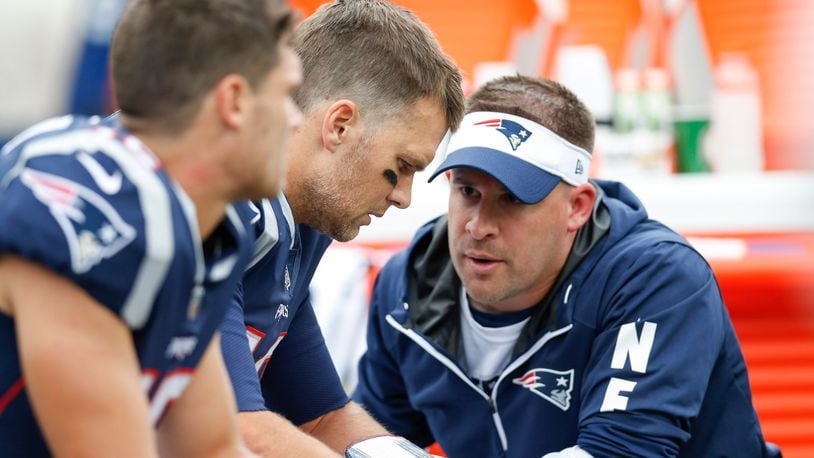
[658, 121]
[734, 142]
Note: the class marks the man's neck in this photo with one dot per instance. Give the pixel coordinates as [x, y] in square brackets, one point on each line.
[210, 204]
[293, 197]
[186, 162]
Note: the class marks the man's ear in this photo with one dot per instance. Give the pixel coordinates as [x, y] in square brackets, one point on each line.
[581, 199]
[232, 96]
[340, 119]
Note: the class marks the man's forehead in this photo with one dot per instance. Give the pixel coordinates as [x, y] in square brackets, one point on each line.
[417, 150]
[421, 127]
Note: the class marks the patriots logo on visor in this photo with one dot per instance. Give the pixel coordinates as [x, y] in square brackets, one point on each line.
[553, 386]
[93, 229]
[514, 132]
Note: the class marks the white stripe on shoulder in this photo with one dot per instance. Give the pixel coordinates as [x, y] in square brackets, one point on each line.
[159, 233]
[63, 144]
[235, 220]
[48, 125]
[269, 237]
[289, 216]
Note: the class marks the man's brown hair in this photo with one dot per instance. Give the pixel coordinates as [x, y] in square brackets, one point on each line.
[167, 55]
[543, 101]
[377, 54]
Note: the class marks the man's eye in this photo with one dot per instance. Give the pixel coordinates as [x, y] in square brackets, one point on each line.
[405, 167]
[468, 190]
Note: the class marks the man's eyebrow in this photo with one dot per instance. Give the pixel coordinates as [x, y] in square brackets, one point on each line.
[413, 159]
[457, 179]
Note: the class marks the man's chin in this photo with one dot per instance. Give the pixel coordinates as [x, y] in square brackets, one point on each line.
[346, 234]
[340, 234]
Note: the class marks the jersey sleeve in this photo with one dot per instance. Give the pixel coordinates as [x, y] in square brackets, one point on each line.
[659, 334]
[69, 207]
[301, 382]
[237, 356]
[381, 388]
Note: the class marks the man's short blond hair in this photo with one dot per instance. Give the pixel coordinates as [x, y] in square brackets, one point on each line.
[377, 54]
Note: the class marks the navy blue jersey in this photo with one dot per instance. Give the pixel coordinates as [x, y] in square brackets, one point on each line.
[272, 344]
[89, 201]
[632, 353]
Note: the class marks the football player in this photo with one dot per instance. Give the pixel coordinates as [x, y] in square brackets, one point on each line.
[378, 95]
[119, 247]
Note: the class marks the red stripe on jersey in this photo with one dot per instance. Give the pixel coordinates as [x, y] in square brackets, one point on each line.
[260, 334]
[11, 393]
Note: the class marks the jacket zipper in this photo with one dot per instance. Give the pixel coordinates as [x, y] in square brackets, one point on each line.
[491, 400]
[452, 366]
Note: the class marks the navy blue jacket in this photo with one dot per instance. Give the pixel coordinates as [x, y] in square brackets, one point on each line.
[632, 353]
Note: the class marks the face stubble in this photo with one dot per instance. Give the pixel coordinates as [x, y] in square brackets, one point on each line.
[332, 196]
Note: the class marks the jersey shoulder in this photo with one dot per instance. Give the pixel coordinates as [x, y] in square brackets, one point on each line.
[272, 228]
[84, 199]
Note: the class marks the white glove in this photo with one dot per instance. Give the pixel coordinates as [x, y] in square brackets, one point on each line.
[386, 447]
[571, 452]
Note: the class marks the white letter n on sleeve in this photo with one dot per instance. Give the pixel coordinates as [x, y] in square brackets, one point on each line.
[628, 344]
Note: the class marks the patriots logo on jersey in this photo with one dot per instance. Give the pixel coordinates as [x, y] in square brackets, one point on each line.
[92, 227]
[553, 386]
[514, 132]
